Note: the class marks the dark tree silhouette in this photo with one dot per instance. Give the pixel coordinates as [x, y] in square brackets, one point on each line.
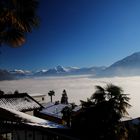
[17, 17]
[64, 98]
[101, 114]
[51, 93]
[67, 111]
[1, 92]
[16, 92]
[99, 95]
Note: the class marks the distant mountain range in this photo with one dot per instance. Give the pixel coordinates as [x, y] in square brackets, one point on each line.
[128, 66]
[60, 70]
[57, 71]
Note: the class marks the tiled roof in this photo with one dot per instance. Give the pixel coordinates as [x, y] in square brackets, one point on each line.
[21, 102]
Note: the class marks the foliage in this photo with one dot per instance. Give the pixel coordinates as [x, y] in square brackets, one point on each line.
[67, 112]
[64, 98]
[1, 92]
[51, 93]
[16, 92]
[101, 113]
[17, 17]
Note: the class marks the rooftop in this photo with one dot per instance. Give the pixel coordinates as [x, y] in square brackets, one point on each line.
[20, 102]
[54, 110]
[17, 116]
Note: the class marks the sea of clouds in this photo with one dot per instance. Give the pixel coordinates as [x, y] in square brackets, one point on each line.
[77, 87]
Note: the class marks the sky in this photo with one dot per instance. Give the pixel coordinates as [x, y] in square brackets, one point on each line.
[80, 33]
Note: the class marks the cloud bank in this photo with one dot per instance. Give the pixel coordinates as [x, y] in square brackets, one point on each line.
[77, 87]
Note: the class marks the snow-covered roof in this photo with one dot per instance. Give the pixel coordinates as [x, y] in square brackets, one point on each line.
[27, 119]
[20, 102]
[54, 110]
[48, 104]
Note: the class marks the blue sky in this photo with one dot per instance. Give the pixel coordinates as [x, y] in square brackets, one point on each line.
[80, 33]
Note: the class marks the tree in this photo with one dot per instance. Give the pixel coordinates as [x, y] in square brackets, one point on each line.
[16, 92]
[67, 112]
[17, 18]
[118, 100]
[51, 93]
[64, 98]
[1, 92]
[101, 113]
[99, 95]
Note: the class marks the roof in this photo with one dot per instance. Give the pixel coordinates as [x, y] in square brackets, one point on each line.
[134, 121]
[54, 110]
[48, 104]
[21, 102]
[37, 95]
[17, 116]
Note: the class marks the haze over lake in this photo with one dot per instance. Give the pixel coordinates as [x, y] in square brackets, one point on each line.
[77, 87]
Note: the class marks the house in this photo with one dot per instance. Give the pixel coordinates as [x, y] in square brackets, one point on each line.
[16, 125]
[39, 97]
[20, 102]
[52, 112]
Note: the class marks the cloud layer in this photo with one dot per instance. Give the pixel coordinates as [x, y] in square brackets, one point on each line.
[77, 87]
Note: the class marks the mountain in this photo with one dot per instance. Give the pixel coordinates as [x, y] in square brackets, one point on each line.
[128, 66]
[53, 71]
[60, 70]
[5, 75]
[20, 72]
[17, 74]
[56, 71]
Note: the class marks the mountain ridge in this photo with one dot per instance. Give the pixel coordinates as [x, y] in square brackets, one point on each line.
[128, 66]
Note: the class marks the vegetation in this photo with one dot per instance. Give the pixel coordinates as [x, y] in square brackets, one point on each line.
[1, 92]
[64, 98]
[101, 114]
[67, 112]
[51, 93]
[17, 18]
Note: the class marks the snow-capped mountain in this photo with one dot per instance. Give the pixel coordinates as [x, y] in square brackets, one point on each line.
[128, 66]
[22, 72]
[60, 70]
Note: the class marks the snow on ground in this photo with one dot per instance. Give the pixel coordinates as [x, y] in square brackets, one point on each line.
[77, 87]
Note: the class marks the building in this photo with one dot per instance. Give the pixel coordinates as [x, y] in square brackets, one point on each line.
[39, 97]
[16, 125]
[20, 102]
[53, 112]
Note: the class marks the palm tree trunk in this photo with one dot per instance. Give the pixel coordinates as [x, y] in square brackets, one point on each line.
[51, 98]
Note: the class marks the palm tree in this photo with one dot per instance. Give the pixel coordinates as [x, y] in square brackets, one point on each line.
[99, 95]
[51, 93]
[118, 100]
[114, 96]
[17, 17]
